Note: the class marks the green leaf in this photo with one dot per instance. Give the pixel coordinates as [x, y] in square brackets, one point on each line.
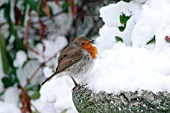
[33, 88]
[123, 21]
[126, 0]
[11, 78]
[7, 82]
[34, 4]
[35, 96]
[5, 61]
[3, 6]
[122, 28]
[153, 40]
[7, 15]
[64, 111]
[124, 18]
[65, 6]
[19, 43]
[118, 39]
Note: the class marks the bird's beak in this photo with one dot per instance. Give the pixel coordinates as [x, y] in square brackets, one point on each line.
[92, 41]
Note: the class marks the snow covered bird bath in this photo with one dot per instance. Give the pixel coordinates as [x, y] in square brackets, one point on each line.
[133, 76]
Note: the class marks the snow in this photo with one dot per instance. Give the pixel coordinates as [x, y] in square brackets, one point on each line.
[58, 92]
[8, 108]
[133, 65]
[21, 57]
[11, 95]
[43, 107]
[129, 66]
[47, 71]
[10, 100]
[131, 69]
[52, 47]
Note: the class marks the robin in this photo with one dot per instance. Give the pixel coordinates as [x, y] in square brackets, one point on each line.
[76, 59]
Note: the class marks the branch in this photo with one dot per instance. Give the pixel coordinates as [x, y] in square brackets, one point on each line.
[27, 35]
[36, 71]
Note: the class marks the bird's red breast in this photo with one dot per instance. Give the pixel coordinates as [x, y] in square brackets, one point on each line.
[90, 48]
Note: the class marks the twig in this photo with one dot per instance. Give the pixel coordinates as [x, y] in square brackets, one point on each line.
[27, 35]
[39, 67]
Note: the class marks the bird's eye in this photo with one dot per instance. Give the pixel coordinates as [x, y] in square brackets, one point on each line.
[82, 43]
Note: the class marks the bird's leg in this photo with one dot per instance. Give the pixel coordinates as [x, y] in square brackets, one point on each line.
[77, 86]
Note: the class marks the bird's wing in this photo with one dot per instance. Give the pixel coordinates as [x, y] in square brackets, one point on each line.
[70, 58]
[64, 52]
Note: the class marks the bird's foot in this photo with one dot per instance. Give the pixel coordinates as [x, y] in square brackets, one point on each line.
[78, 86]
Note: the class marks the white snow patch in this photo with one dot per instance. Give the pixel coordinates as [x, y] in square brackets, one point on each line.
[8, 108]
[58, 92]
[21, 57]
[47, 71]
[125, 68]
[11, 95]
[43, 107]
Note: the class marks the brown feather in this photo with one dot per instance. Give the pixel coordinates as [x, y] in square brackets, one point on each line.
[72, 57]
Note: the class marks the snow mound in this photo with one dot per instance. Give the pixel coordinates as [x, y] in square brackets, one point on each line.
[125, 68]
[136, 64]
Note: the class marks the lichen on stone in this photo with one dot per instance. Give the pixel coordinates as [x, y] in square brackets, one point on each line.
[86, 101]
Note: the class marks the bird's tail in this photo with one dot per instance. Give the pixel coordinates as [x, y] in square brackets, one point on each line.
[49, 78]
